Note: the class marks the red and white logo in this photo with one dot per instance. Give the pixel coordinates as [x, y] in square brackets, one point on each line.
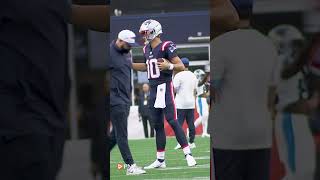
[120, 166]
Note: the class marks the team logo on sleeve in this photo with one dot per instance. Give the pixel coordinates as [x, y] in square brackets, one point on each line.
[172, 48]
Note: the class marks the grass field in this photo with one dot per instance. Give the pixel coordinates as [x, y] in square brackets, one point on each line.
[144, 153]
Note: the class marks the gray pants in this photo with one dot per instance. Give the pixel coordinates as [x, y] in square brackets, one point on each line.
[119, 135]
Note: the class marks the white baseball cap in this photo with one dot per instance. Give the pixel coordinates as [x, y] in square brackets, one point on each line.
[128, 36]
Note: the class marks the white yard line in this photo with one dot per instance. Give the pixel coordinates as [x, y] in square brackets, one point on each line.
[204, 166]
[202, 157]
[186, 167]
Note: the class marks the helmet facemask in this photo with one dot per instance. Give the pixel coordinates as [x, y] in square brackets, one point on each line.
[148, 35]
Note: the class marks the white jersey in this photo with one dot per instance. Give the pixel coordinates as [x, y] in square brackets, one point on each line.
[293, 135]
[201, 89]
[290, 90]
[242, 60]
[185, 84]
[296, 147]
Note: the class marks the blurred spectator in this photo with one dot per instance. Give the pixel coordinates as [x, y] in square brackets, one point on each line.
[144, 111]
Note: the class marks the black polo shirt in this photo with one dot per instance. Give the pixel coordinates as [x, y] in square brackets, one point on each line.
[34, 82]
[120, 84]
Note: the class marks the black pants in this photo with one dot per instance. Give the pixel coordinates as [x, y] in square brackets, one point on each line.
[30, 157]
[119, 134]
[188, 115]
[241, 164]
[145, 120]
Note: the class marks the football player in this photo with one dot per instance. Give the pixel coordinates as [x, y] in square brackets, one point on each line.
[201, 102]
[161, 61]
[291, 98]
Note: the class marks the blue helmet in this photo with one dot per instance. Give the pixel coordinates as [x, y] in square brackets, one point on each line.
[185, 61]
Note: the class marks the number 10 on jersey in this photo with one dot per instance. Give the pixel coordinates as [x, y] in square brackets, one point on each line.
[153, 69]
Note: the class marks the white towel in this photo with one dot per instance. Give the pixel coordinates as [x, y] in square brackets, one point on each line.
[161, 96]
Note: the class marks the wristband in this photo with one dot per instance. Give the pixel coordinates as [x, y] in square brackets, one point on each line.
[171, 66]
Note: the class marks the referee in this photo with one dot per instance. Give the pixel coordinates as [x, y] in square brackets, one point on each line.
[120, 96]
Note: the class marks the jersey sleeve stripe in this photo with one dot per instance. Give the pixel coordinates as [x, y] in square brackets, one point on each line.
[164, 45]
[144, 49]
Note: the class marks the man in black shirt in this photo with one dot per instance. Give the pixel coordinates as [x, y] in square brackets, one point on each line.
[34, 83]
[120, 96]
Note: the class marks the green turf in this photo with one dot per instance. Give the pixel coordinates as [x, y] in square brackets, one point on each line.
[144, 153]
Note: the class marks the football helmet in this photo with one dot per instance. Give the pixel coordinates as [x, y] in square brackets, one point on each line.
[199, 74]
[150, 29]
[287, 38]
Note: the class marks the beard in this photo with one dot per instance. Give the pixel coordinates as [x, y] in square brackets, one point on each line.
[125, 50]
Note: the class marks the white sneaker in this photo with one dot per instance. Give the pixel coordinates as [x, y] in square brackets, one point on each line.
[156, 164]
[135, 170]
[177, 147]
[192, 145]
[191, 161]
[205, 135]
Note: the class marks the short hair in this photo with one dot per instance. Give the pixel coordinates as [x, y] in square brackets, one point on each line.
[244, 8]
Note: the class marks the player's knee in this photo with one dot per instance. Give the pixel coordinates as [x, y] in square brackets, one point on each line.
[121, 137]
[192, 128]
[173, 123]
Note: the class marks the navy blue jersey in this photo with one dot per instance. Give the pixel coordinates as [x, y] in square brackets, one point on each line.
[167, 50]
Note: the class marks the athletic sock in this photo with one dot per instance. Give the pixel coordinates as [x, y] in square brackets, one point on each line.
[160, 156]
[187, 151]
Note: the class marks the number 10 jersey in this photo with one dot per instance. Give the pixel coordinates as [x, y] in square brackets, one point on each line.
[165, 50]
